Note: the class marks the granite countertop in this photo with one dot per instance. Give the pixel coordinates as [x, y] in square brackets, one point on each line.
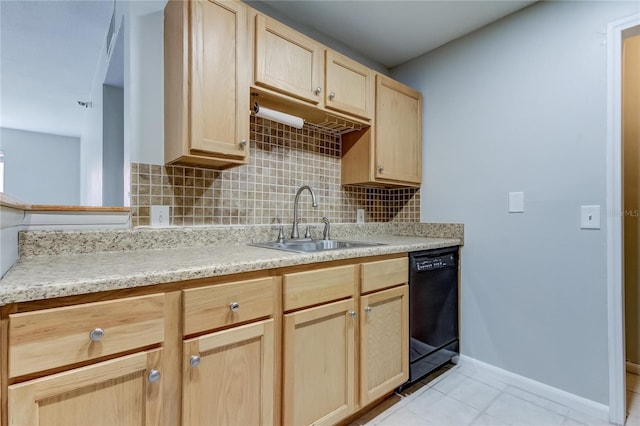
[46, 277]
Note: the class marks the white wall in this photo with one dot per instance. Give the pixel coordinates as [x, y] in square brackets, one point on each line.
[91, 138]
[145, 84]
[40, 168]
[521, 106]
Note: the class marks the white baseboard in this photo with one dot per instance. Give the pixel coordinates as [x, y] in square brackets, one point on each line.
[633, 368]
[565, 398]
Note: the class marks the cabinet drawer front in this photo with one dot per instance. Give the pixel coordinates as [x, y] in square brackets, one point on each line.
[52, 338]
[210, 307]
[325, 285]
[384, 274]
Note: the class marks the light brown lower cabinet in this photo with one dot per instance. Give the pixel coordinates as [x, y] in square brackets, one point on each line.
[384, 342]
[228, 377]
[122, 391]
[340, 345]
[319, 362]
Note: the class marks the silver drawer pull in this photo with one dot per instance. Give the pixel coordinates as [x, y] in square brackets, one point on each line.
[352, 314]
[368, 309]
[194, 360]
[154, 376]
[243, 143]
[332, 95]
[96, 334]
[234, 306]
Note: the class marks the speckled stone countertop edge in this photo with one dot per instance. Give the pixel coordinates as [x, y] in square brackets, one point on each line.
[59, 276]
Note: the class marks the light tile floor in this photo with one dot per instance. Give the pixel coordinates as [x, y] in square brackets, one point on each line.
[460, 396]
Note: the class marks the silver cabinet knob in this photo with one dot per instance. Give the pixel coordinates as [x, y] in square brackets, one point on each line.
[368, 309]
[318, 90]
[243, 143]
[234, 306]
[332, 95]
[352, 314]
[154, 376]
[96, 334]
[194, 360]
[380, 169]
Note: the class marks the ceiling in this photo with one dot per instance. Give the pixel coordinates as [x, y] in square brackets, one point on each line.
[50, 49]
[392, 32]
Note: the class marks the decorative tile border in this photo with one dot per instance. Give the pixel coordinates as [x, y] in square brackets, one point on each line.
[282, 160]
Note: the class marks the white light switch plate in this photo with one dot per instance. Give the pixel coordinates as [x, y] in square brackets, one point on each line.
[360, 216]
[590, 217]
[516, 202]
[159, 216]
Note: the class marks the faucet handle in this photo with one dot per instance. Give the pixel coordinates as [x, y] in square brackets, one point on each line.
[280, 230]
[307, 233]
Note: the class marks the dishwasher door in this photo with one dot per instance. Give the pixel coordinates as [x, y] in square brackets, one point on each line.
[433, 310]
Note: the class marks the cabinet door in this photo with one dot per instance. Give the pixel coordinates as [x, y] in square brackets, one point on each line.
[287, 61]
[398, 128]
[319, 364]
[220, 79]
[384, 342]
[115, 392]
[232, 381]
[349, 85]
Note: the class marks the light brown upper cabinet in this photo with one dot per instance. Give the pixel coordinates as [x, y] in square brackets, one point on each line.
[349, 85]
[287, 61]
[297, 66]
[207, 78]
[390, 152]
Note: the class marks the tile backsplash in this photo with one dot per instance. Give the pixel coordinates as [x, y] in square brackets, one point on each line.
[262, 192]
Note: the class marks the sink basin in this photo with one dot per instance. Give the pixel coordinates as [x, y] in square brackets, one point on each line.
[310, 246]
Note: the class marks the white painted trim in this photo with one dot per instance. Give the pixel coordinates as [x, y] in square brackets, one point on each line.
[615, 291]
[10, 221]
[575, 402]
[633, 368]
[54, 220]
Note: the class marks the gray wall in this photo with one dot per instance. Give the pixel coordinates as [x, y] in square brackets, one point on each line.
[520, 105]
[40, 168]
[113, 146]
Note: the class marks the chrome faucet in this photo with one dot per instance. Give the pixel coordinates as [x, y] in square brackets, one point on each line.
[294, 230]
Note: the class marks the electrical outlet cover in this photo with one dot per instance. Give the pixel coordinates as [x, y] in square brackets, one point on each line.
[590, 217]
[159, 216]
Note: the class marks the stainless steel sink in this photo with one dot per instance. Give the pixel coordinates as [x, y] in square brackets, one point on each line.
[310, 246]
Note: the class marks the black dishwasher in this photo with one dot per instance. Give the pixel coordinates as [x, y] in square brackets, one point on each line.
[433, 311]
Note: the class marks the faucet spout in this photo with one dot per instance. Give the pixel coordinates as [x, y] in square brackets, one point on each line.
[314, 203]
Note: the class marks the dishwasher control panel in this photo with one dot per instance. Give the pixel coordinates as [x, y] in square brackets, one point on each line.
[428, 264]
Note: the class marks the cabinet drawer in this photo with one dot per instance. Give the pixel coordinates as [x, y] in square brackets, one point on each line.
[215, 306]
[325, 285]
[384, 274]
[51, 338]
